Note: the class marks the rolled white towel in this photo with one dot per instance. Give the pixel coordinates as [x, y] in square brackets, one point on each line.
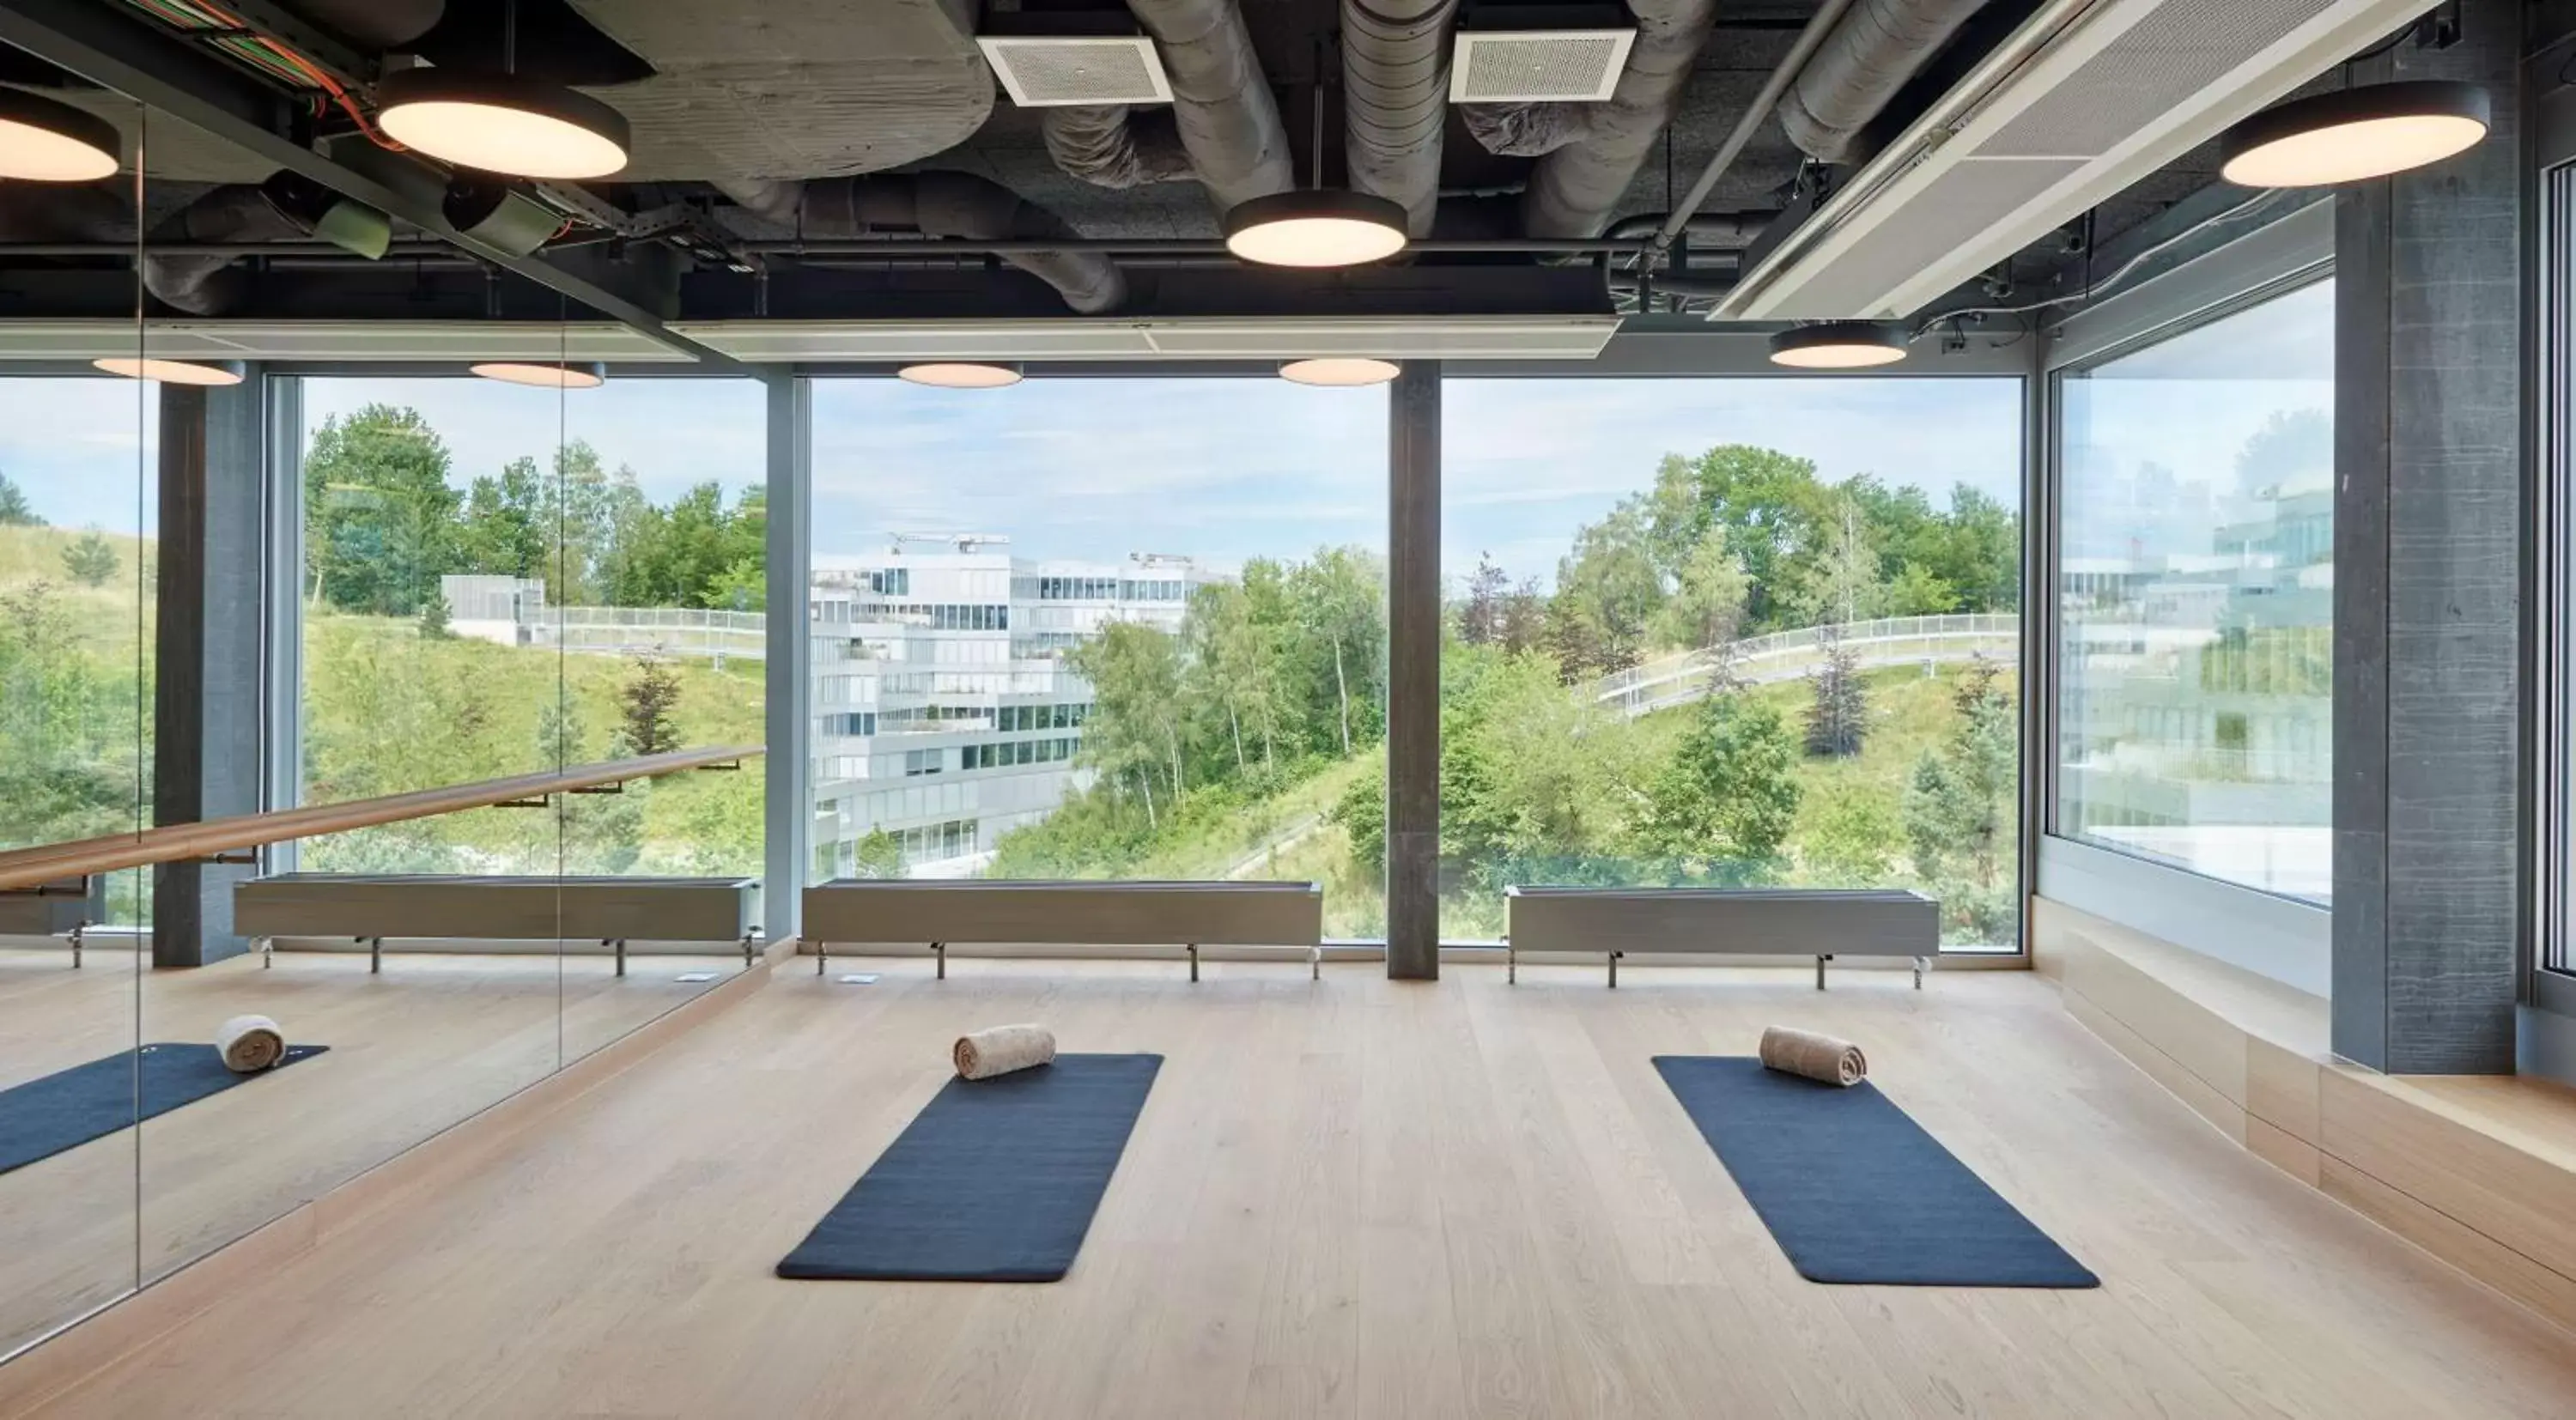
[1818, 1057]
[1001, 1050]
[250, 1044]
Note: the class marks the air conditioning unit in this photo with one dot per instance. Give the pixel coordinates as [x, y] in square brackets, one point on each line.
[1538, 53]
[2084, 99]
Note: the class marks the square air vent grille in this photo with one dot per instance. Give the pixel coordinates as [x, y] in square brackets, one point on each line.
[1569, 66]
[1041, 72]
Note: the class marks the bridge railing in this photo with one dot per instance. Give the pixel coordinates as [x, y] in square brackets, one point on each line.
[1673, 678]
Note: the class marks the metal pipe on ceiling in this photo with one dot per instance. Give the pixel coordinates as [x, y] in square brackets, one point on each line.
[1858, 69]
[1748, 123]
[1395, 82]
[1574, 189]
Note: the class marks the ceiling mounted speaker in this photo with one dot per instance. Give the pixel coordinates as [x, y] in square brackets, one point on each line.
[1044, 71]
[1533, 66]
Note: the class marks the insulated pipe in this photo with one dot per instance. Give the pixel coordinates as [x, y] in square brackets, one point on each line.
[1860, 66]
[1110, 145]
[939, 204]
[1395, 75]
[212, 285]
[1574, 189]
[1221, 101]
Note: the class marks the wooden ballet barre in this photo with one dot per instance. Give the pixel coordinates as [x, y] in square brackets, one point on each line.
[181, 842]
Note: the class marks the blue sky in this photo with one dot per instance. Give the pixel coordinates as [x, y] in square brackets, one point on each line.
[1220, 469]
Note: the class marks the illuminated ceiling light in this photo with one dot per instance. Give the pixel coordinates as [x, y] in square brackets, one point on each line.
[1339, 371]
[1837, 345]
[960, 375]
[502, 123]
[1316, 227]
[575, 376]
[2353, 134]
[173, 372]
[45, 141]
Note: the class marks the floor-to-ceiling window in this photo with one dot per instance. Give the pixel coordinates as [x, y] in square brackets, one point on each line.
[1101, 628]
[1732, 632]
[500, 579]
[2195, 599]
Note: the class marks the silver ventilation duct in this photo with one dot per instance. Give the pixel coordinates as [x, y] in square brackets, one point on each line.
[1395, 78]
[1111, 145]
[212, 285]
[1870, 55]
[938, 204]
[1222, 106]
[1575, 188]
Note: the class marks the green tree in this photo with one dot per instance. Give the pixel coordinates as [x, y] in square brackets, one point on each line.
[1707, 608]
[1838, 716]
[1361, 813]
[433, 620]
[1850, 837]
[1918, 591]
[744, 586]
[91, 561]
[1959, 808]
[1609, 589]
[1723, 807]
[1844, 584]
[1773, 514]
[652, 702]
[380, 518]
[14, 509]
[1134, 734]
[880, 855]
[508, 523]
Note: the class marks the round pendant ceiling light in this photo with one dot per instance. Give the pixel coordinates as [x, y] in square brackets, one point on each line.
[578, 375]
[1315, 227]
[173, 372]
[1339, 371]
[42, 140]
[2353, 134]
[1838, 345]
[960, 375]
[503, 123]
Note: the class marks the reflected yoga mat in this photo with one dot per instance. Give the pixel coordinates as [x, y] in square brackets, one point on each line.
[69, 1108]
[994, 1181]
[1853, 1189]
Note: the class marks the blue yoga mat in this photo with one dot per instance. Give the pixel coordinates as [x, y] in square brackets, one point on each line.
[69, 1108]
[994, 1181]
[1853, 1189]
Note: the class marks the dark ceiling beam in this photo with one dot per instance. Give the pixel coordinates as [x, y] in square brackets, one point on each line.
[119, 50]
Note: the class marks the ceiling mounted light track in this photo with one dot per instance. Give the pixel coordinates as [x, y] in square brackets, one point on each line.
[1339, 371]
[960, 375]
[1838, 345]
[173, 372]
[42, 140]
[1315, 227]
[577, 375]
[2355, 134]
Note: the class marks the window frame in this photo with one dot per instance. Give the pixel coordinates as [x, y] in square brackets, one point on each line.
[2283, 938]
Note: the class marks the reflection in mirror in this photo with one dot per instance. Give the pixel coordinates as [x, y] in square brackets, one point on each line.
[76, 642]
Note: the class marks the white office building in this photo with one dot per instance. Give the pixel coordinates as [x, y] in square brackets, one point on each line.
[945, 713]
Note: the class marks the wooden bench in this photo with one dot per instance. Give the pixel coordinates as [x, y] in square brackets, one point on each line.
[66, 907]
[370, 908]
[1820, 922]
[1191, 915]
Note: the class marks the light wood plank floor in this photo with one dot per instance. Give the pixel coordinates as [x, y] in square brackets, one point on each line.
[432, 1040]
[1352, 1198]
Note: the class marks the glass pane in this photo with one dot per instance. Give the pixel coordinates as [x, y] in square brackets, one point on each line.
[1732, 632]
[77, 637]
[2196, 596]
[1128, 628]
